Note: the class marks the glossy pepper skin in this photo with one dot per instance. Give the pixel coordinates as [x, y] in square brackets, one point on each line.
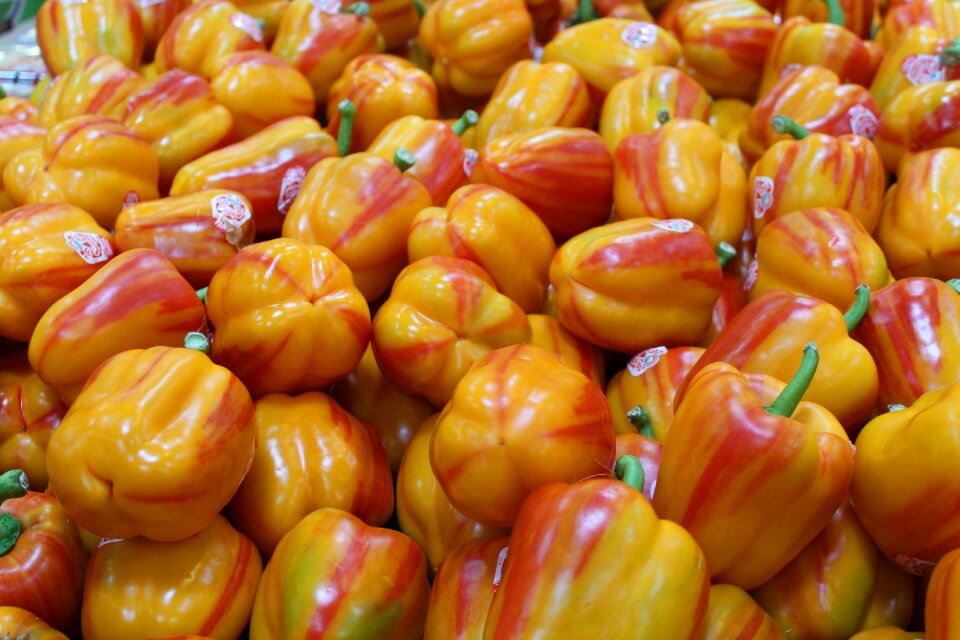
[732, 613]
[156, 16]
[753, 483]
[360, 207]
[636, 104]
[564, 175]
[496, 231]
[674, 280]
[732, 299]
[71, 32]
[911, 333]
[267, 168]
[16, 137]
[919, 118]
[531, 95]
[941, 616]
[839, 584]
[943, 17]
[137, 300]
[473, 42]
[650, 381]
[443, 314]
[728, 118]
[15, 621]
[19, 108]
[682, 170]
[913, 60]
[858, 15]
[30, 409]
[547, 333]
[310, 454]
[203, 584]
[96, 86]
[47, 250]
[823, 253]
[379, 592]
[287, 317]
[518, 419]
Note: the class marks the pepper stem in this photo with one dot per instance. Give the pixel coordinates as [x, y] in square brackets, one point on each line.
[786, 403]
[348, 112]
[403, 159]
[639, 417]
[663, 116]
[9, 532]
[858, 309]
[202, 294]
[585, 13]
[954, 284]
[950, 57]
[359, 9]
[420, 7]
[630, 471]
[834, 12]
[784, 124]
[198, 342]
[467, 120]
[13, 484]
[725, 253]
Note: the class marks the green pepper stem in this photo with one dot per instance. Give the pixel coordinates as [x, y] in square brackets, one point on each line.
[663, 116]
[359, 9]
[834, 12]
[630, 471]
[783, 124]
[467, 120]
[202, 294]
[858, 309]
[13, 484]
[950, 56]
[640, 418]
[954, 284]
[725, 253]
[420, 7]
[197, 341]
[403, 159]
[892, 408]
[9, 532]
[348, 112]
[786, 403]
[585, 13]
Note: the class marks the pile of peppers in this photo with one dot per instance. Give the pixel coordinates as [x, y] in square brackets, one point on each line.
[483, 320]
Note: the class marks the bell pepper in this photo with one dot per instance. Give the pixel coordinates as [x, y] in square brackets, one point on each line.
[531, 95]
[423, 509]
[725, 43]
[912, 331]
[594, 555]
[817, 170]
[136, 300]
[310, 454]
[17, 137]
[319, 39]
[19, 623]
[857, 16]
[752, 478]
[96, 86]
[731, 301]
[941, 615]
[443, 314]
[473, 43]
[96, 164]
[681, 170]
[547, 333]
[630, 9]
[287, 317]
[813, 97]
[156, 16]
[838, 585]
[370, 396]
[650, 381]
[734, 614]
[30, 409]
[397, 20]
[823, 253]
[202, 34]
[607, 50]
[196, 232]
[42, 560]
[496, 231]
[47, 250]
[267, 168]
[383, 88]
[888, 633]
[204, 584]
[917, 230]
[71, 32]
[917, 57]
[728, 118]
[943, 17]
[917, 119]
[361, 208]
[266, 13]
[648, 451]
[914, 523]
[636, 284]
[564, 175]
[333, 576]
[639, 103]
[19, 108]
[549, 423]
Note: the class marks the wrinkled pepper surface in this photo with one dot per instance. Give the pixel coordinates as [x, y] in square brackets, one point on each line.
[732, 613]
[97, 86]
[547, 333]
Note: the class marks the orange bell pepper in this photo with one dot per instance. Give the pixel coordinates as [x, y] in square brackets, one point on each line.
[192, 231]
[531, 95]
[823, 253]
[564, 175]
[650, 381]
[204, 584]
[136, 300]
[397, 20]
[30, 409]
[494, 230]
[734, 614]
[888, 633]
[70, 32]
[287, 317]
[638, 104]
[19, 171]
[941, 615]
[778, 470]
[857, 15]
[333, 576]
[96, 86]
[266, 13]
[648, 451]
[48, 251]
[728, 118]
[310, 454]
[442, 315]
[16, 137]
[19, 108]
[919, 118]
[944, 17]
[547, 333]
[917, 57]
[488, 473]
[17, 622]
[638, 283]
[267, 168]
[156, 16]
[732, 299]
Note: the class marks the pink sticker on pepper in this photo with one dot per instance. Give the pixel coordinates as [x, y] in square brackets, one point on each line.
[640, 35]
[470, 157]
[290, 188]
[762, 196]
[331, 7]
[921, 69]
[89, 246]
[677, 225]
[863, 122]
[645, 360]
[498, 573]
[229, 215]
[753, 272]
